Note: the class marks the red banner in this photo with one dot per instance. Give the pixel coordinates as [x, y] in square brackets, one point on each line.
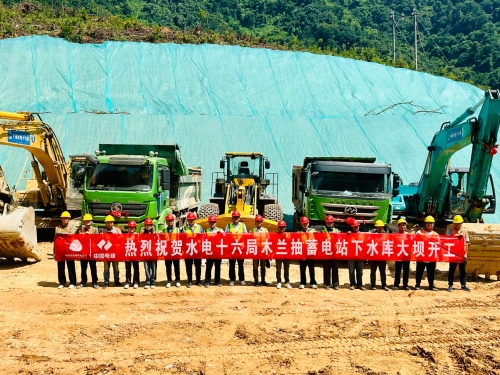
[293, 246]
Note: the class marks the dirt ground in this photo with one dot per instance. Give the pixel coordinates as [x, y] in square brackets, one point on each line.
[243, 330]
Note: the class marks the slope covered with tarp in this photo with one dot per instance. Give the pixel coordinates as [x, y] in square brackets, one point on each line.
[211, 99]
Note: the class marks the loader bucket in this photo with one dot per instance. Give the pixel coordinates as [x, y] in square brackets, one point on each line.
[18, 234]
[249, 221]
[483, 256]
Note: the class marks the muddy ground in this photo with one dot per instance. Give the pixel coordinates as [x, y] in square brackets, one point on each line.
[243, 330]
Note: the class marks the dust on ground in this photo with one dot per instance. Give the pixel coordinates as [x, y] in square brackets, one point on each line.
[243, 329]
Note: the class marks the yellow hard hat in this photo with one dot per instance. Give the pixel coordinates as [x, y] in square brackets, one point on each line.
[402, 221]
[379, 223]
[429, 219]
[87, 217]
[109, 218]
[66, 214]
[458, 219]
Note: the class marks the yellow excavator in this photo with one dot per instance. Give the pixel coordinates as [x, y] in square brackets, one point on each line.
[51, 190]
[242, 187]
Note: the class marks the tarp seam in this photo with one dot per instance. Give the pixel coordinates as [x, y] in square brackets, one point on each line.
[109, 104]
[372, 145]
[34, 74]
[299, 63]
[211, 92]
[320, 137]
[70, 71]
[277, 148]
[66, 133]
[175, 79]
[328, 60]
[139, 73]
[242, 81]
[172, 123]
[276, 82]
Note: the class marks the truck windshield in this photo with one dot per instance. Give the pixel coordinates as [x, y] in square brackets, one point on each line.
[352, 182]
[120, 177]
[244, 166]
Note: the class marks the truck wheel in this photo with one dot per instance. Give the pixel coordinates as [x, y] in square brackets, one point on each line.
[273, 212]
[207, 209]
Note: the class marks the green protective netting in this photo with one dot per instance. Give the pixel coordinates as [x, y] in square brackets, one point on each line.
[211, 99]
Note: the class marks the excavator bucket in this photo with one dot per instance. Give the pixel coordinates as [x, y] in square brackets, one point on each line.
[18, 234]
[249, 221]
[483, 257]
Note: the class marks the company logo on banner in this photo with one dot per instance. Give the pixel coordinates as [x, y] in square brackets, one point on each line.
[293, 246]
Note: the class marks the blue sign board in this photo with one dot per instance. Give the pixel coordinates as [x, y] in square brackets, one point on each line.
[455, 135]
[19, 137]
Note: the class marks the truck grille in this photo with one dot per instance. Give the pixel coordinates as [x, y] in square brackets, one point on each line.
[102, 209]
[363, 213]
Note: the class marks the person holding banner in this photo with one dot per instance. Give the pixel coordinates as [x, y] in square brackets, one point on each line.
[355, 266]
[192, 228]
[404, 265]
[380, 264]
[285, 263]
[456, 230]
[330, 266]
[259, 230]
[236, 227]
[150, 266]
[307, 263]
[170, 230]
[111, 229]
[430, 266]
[66, 228]
[131, 228]
[213, 230]
[88, 228]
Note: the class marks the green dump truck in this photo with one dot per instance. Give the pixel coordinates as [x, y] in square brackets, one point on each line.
[135, 182]
[343, 187]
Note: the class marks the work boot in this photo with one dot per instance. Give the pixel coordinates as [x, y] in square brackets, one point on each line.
[263, 282]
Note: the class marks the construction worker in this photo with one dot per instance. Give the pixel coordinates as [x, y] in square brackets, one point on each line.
[330, 266]
[88, 228]
[355, 266]
[66, 228]
[170, 230]
[111, 229]
[456, 230]
[307, 263]
[405, 265]
[430, 266]
[380, 264]
[280, 262]
[236, 227]
[131, 228]
[192, 228]
[213, 230]
[260, 230]
[150, 266]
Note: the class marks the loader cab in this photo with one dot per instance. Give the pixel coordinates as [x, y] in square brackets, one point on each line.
[244, 165]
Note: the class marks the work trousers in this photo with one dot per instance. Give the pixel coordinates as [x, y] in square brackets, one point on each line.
[116, 272]
[197, 269]
[331, 272]
[461, 269]
[208, 270]
[356, 272]
[150, 269]
[61, 272]
[380, 264]
[232, 269]
[421, 266]
[93, 271]
[128, 272]
[177, 270]
[256, 270]
[406, 273]
[304, 264]
[286, 270]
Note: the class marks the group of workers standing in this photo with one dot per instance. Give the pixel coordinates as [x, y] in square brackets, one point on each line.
[330, 266]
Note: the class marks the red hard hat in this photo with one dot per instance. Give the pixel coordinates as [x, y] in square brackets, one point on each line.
[212, 219]
[191, 215]
[148, 221]
[304, 220]
[329, 219]
[133, 224]
[259, 218]
[169, 217]
[235, 214]
[281, 223]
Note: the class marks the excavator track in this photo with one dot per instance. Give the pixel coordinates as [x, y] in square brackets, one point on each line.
[18, 237]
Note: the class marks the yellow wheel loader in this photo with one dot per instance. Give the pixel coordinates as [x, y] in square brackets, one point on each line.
[242, 187]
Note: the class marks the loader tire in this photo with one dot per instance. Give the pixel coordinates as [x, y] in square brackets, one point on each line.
[207, 209]
[273, 212]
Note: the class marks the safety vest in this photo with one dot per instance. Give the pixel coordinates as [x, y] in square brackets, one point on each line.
[232, 228]
[262, 230]
[172, 230]
[215, 231]
[68, 229]
[90, 230]
[113, 230]
[333, 230]
[197, 229]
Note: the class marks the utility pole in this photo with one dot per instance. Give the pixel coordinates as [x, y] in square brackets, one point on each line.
[414, 14]
[393, 37]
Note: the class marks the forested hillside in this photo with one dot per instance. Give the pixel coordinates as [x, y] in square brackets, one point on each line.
[458, 39]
